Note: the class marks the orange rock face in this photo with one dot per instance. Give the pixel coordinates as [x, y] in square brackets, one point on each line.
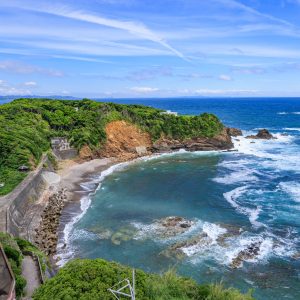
[85, 153]
[125, 141]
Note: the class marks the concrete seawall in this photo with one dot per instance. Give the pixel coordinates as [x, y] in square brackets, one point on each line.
[20, 210]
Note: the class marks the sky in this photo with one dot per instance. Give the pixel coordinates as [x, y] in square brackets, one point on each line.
[150, 48]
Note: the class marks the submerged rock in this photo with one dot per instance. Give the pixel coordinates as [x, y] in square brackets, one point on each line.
[124, 234]
[262, 134]
[250, 252]
[231, 231]
[101, 232]
[181, 249]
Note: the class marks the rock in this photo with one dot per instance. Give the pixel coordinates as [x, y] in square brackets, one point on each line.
[101, 232]
[46, 234]
[296, 255]
[172, 226]
[178, 250]
[220, 142]
[262, 134]
[249, 253]
[234, 132]
[124, 234]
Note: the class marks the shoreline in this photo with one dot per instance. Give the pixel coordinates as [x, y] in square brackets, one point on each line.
[72, 176]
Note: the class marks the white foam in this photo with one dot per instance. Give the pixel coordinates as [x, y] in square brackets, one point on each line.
[243, 175]
[232, 198]
[213, 231]
[292, 128]
[289, 113]
[292, 188]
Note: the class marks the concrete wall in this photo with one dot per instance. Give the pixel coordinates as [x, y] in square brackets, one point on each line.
[24, 208]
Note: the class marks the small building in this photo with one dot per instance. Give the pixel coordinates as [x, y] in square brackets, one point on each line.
[60, 143]
[62, 149]
[23, 168]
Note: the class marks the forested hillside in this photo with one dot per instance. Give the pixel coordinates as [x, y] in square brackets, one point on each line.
[26, 126]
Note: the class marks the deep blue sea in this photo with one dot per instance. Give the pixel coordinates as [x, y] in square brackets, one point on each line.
[249, 196]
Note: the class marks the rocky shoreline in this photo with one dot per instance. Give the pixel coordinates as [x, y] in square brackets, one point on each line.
[50, 231]
[46, 234]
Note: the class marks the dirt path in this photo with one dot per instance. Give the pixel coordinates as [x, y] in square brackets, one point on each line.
[30, 272]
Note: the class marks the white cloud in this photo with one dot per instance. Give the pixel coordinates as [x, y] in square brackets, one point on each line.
[7, 89]
[143, 89]
[135, 28]
[225, 77]
[30, 83]
[22, 68]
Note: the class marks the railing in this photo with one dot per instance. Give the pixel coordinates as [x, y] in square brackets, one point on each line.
[10, 291]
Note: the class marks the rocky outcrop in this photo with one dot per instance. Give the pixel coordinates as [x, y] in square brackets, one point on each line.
[178, 250]
[249, 253]
[125, 141]
[46, 233]
[219, 142]
[262, 134]
[172, 226]
[234, 132]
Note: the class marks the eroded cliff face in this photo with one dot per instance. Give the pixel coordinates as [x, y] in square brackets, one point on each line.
[125, 141]
[219, 142]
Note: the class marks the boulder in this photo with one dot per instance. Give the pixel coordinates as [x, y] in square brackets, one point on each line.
[250, 252]
[262, 134]
[234, 132]
[172, 226]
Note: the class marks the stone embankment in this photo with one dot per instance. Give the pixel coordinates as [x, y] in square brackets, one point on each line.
[46, 233]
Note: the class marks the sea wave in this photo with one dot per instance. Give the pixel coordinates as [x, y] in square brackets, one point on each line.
[289, 113]
[232, 198]
[292, 188]
[292, 128]
[243, 175]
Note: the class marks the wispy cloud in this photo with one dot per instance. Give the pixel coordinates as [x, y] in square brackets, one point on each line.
[22, 68]
[144, 89]
[238, 5]
[30, 83]
[135, 28]
[218, 92]
[225, 77]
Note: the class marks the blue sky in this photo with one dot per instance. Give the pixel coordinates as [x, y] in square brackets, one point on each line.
[143, 48]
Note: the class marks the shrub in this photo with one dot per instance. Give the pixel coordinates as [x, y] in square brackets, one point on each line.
[90, 279]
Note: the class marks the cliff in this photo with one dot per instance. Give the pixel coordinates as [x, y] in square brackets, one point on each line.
[126, 141]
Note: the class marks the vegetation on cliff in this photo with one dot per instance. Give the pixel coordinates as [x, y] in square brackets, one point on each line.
[14, 249]
[26, 126]
[90, 279]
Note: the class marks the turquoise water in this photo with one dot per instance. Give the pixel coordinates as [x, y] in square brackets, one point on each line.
[252, 194]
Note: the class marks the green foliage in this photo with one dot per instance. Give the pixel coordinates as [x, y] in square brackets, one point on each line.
[26, 126]
[89, 280]
[14, 249]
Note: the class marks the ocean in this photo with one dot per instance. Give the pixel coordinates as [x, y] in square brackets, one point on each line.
[236, 200]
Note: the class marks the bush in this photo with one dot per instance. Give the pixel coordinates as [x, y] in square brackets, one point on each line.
[89, 279]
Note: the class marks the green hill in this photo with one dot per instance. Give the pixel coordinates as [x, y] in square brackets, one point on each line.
[26, 126]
